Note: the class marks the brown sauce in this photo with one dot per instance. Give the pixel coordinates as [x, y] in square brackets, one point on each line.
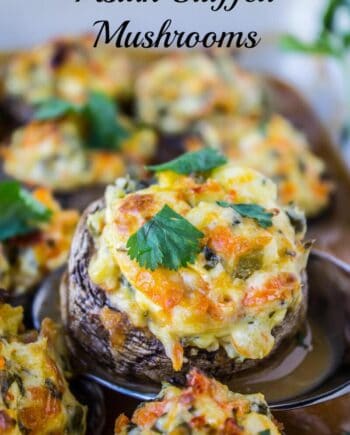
[296, 368]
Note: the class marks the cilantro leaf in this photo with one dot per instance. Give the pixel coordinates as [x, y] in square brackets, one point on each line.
[55, 108]
[105, 131]
[20, 213]
[197, 161]
[100, 115]
[265, 432]
[254, 211]
[167, 240]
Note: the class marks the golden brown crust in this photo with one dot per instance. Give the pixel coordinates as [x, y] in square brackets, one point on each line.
[141, 354]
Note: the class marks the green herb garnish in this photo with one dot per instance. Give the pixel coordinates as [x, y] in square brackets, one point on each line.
[105, 132]
[197, 161]
[253, 211]
[331, 40]
[265, 432]
[100, 115]
[167, 240]
[20, 213]
[55, 108]
[324, 45]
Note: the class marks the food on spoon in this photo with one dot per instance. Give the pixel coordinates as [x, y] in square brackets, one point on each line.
[274, 147]
[204, 406]
[203, 268]
[35, 236]
[69, 146]
[182, 88]
[34, 394]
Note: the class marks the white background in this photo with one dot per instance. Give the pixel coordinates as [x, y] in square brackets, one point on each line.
[24, 22]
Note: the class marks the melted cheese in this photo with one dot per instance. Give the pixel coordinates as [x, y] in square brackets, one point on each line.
[234, 303]
[181, 88]
[203, 407]
[276, 149]
[5, 270]
[38, 253]
[10, 320]
[53, 154]
[35, 397]
[67, 68]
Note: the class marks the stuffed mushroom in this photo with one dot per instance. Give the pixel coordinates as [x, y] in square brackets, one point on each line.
[54, 154]
[35, 237]
[203, 268]
[67, 68]
[180, 89]
[204, 406]
[34, 395]
[274, 147]
[76, 149]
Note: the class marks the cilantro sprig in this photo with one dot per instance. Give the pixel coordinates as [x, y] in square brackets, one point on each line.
[192, 162]
[253, 211]
[20, 213]
[331, 40]
[167, 240]
[99, 114]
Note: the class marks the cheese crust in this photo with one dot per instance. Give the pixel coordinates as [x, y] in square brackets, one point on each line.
[26, 260]
[234, 302]
[35, 397]
[53, 154]
[275, 148]
[67, 68]
[204, 406]
[182, 88]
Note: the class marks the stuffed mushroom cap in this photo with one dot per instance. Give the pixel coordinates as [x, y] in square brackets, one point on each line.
[180, 89]
[275, 148]
[239, 294]
[204, 406]
[66, 68]
[54, 153]
[25, 259]
[35, 397]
